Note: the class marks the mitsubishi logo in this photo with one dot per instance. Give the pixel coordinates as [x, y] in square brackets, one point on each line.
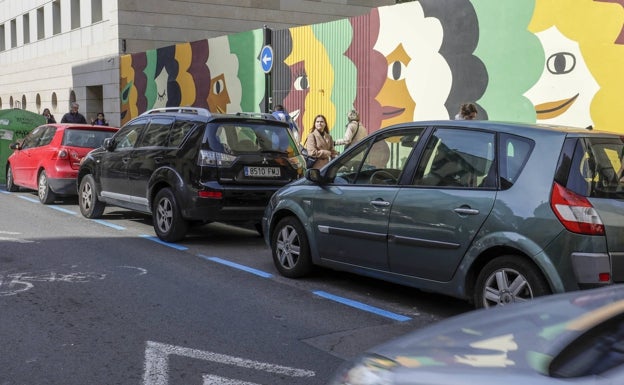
[264, 160]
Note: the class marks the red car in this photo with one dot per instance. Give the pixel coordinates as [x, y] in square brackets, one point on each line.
[48, 158]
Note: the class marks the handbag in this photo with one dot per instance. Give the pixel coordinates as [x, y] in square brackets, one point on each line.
[309, 160]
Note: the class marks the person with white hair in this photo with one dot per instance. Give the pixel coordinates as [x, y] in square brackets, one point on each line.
[355, 130]
[73, 116]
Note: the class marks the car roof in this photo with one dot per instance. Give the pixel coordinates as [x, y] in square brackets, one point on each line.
[517, 128]
[203, 115]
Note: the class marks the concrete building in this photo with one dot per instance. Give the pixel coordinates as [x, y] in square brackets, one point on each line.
[53, 52]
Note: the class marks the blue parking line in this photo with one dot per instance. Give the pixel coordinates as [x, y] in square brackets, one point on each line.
[29, 199]
[5, 192]
[62, 209]
[361, 306]
[158, 240]
[112, 225]
[236, 266]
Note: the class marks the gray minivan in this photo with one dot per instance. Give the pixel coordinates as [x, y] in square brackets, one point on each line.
[487, 211]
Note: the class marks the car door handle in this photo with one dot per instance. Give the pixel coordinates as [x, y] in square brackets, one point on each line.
[125, 160]
[380, 203]
[158, 159]
[466, 211]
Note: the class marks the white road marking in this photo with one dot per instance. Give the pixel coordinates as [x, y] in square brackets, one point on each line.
[216, 380]
[156, 370]
[141, 270]
[14, 283]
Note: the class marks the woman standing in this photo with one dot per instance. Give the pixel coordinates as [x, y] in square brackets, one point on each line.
[319, 143]
[48, 115]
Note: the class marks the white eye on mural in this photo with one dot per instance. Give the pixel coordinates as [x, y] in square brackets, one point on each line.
[301, 83]
[218, 87]
[561, 63]
[396, 70]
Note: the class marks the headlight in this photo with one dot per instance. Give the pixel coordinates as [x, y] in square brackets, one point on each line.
[368, 370]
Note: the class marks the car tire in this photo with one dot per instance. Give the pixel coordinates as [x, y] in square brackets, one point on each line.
[10, 183]
[290, 249]
[508, 279]
[90, 206]
[46, 195]
[167, 217]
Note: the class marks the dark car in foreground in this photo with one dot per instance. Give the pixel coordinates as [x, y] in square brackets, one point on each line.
[48, 158]
[187, 166]
[566, 339]
[491, 212]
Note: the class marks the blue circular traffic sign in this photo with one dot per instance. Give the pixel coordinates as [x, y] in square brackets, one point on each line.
[266, 58]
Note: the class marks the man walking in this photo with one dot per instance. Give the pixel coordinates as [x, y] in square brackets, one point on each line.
[73, 116]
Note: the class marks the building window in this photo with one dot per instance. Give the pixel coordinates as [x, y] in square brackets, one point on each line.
[38, 102]
[26, 28]
[40, 24]
[13, 33]
[2, 36]
[75, 14]
[96, 11]
[54, 101]
[56, 17]
[23, 102]
[11, 102]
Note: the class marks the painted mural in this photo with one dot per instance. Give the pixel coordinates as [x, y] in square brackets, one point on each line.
[545, 61]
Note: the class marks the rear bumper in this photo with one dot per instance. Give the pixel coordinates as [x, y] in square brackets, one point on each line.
[63, 186]
[238, 204]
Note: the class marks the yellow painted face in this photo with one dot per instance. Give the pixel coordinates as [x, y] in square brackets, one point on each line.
[129, 94]
[184, 56]
[310, 55]
[398, 105]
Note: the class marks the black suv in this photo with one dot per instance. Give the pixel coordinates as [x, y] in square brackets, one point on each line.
[185, 166]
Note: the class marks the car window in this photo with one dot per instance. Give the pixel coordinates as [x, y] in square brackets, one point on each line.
[245, 138]
[32, 140]
[179, 130]
[128, 135]
[597, 168]
[458, 158]
[156, 133]
[47, 136]
[85, 138]
[380, 162]
[596, 351]
[514, 153]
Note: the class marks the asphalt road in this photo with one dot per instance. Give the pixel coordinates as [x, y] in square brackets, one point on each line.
[103, 302]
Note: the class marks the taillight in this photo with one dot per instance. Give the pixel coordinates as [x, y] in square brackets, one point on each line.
[212, 158]
[575, 212]
[210, 194]
[63, 154]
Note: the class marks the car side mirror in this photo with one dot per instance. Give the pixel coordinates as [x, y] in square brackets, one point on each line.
[314, 175]
[15, 146]
[109, 144]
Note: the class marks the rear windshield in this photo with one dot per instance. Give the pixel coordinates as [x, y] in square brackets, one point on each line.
[240, 138]
[85, 138]
[596, 168]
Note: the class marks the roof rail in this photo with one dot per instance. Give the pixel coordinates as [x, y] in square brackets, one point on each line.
[261, 115]
[181, 110]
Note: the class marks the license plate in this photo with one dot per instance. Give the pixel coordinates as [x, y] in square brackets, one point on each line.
[262, 172]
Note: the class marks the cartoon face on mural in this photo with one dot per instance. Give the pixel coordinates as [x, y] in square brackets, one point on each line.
[127, 89]
[566, 88]
[411, 43]
[225, 90]
[313, 78]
